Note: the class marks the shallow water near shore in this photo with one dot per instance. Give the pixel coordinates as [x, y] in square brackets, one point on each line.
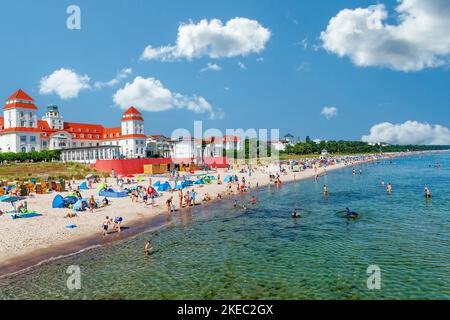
[219, 252]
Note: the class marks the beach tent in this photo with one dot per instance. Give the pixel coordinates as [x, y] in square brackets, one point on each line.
[101, 186]
[181, 185]
[58, 202]
[140, 178]
[79, 205]
[110, 193]
[164, 187]
[228, 179]
[83, 186]
[199, 181]
[157, 183]
[70, 200]
[188, 183]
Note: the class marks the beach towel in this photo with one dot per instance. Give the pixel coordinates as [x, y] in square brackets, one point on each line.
[30, 215]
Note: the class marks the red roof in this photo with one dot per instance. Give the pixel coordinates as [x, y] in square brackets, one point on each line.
[20, 95]
[132, 110]
[1, 122]
[112, 133]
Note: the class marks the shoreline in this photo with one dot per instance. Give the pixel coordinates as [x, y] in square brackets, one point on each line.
[139, 224]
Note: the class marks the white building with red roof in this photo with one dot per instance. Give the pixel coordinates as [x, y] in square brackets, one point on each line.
[21, 131]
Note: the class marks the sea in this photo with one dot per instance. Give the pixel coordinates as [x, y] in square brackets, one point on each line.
[397, 248]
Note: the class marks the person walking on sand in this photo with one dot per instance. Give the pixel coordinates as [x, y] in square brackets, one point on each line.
[106, 224]
[92, 203]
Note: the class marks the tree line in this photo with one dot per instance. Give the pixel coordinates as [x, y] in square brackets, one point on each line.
[33, 156]
[349, 147]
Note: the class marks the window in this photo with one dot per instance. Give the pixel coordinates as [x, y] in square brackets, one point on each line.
[23, 138]
[44, 143]
[79, 129]
[33, 149]
[90, 136]
[81, 136]
[32, 139]
[23, 149]
[22, 123]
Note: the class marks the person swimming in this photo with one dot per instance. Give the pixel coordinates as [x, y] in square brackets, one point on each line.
[427, 193]
[296, 213]
[350, 213]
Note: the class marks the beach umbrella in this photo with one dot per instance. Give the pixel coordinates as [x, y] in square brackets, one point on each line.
[89, 176]
[12, 200]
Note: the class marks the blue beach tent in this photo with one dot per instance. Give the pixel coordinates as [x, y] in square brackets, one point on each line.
[83, 186]
[164, 187]
[200, 181]
[79, 205]
[228, 179]
[110, 193]
[157, 183]
[58, 202]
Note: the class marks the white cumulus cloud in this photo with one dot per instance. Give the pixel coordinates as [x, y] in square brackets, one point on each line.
[242, 65]
[410, 132]
[213, 39]
[66, 83]
[329, 112]
[149, 94]
[211, 66]
[122, 74]
[418, 39]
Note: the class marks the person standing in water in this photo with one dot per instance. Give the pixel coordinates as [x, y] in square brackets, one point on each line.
[325, 190]
[147, 248]
[389, 188]
[427, 193]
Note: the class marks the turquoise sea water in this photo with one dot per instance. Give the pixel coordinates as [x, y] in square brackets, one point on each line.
[224, 253]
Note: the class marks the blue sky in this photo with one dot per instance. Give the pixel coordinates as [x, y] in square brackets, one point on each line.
[287, 90]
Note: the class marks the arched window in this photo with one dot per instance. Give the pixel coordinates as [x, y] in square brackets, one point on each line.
[23, 149]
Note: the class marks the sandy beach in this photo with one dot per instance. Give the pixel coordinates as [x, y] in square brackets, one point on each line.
[24, 239]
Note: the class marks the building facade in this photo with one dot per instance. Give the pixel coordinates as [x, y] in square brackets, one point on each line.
[22, 131]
